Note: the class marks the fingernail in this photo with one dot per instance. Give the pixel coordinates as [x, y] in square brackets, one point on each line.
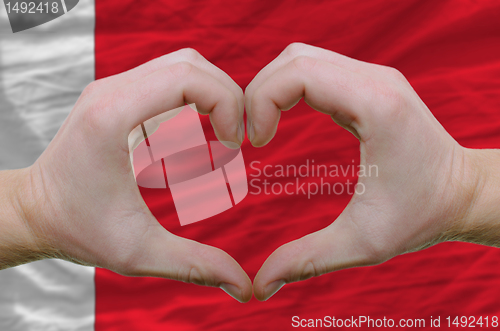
[250, 129]
[230, 144]
[241, 132]
[272, 288]
[232, 290]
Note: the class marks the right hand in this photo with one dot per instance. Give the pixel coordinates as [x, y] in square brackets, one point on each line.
[425, 184]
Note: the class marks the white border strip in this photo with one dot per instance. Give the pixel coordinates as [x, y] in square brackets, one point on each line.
[43, 70]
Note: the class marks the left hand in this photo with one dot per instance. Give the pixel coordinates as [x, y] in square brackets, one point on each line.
[80, 201]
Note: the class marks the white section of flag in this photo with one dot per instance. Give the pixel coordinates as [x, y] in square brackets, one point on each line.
[43, 70]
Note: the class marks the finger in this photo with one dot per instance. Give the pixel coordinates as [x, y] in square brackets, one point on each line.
[171, 88]
[168, 256]
[184, 55]
[328, 88]
[299, 49]
[327, 250]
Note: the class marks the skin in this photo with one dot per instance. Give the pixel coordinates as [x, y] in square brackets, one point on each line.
[80, 202]
[429, 188]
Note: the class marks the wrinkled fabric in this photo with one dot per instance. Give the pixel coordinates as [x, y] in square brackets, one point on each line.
[450, 53]
[448, 50]
[42, 72]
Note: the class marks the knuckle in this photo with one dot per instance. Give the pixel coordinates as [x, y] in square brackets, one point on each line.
[310, 270]
[390, 100]
[295, 49]
[394, 74]
[191, 274]
[190, 54]
[304, 63]
[195, 277]
[181, 69]
[397, 75]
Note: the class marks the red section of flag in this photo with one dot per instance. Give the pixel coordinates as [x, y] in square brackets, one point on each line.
[450, 53]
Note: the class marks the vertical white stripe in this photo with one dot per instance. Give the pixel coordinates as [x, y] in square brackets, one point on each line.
[42, 72]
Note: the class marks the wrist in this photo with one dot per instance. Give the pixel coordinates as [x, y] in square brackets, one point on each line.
[19, 244]
[480, 221]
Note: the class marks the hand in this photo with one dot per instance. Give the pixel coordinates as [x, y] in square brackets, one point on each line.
[425, 185]
[79, 201]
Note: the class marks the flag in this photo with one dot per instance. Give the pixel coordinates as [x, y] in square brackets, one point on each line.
[43, 70]
[449, 51]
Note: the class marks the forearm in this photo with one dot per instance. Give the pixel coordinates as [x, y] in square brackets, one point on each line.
[481, 224]
[17, 240]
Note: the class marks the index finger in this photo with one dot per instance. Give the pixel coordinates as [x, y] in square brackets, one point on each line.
[326, 87]
[183, 55]
[115, 115]
[299, 49]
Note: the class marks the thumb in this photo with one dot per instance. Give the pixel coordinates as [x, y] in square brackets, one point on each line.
[169, 256]
[332, 248]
